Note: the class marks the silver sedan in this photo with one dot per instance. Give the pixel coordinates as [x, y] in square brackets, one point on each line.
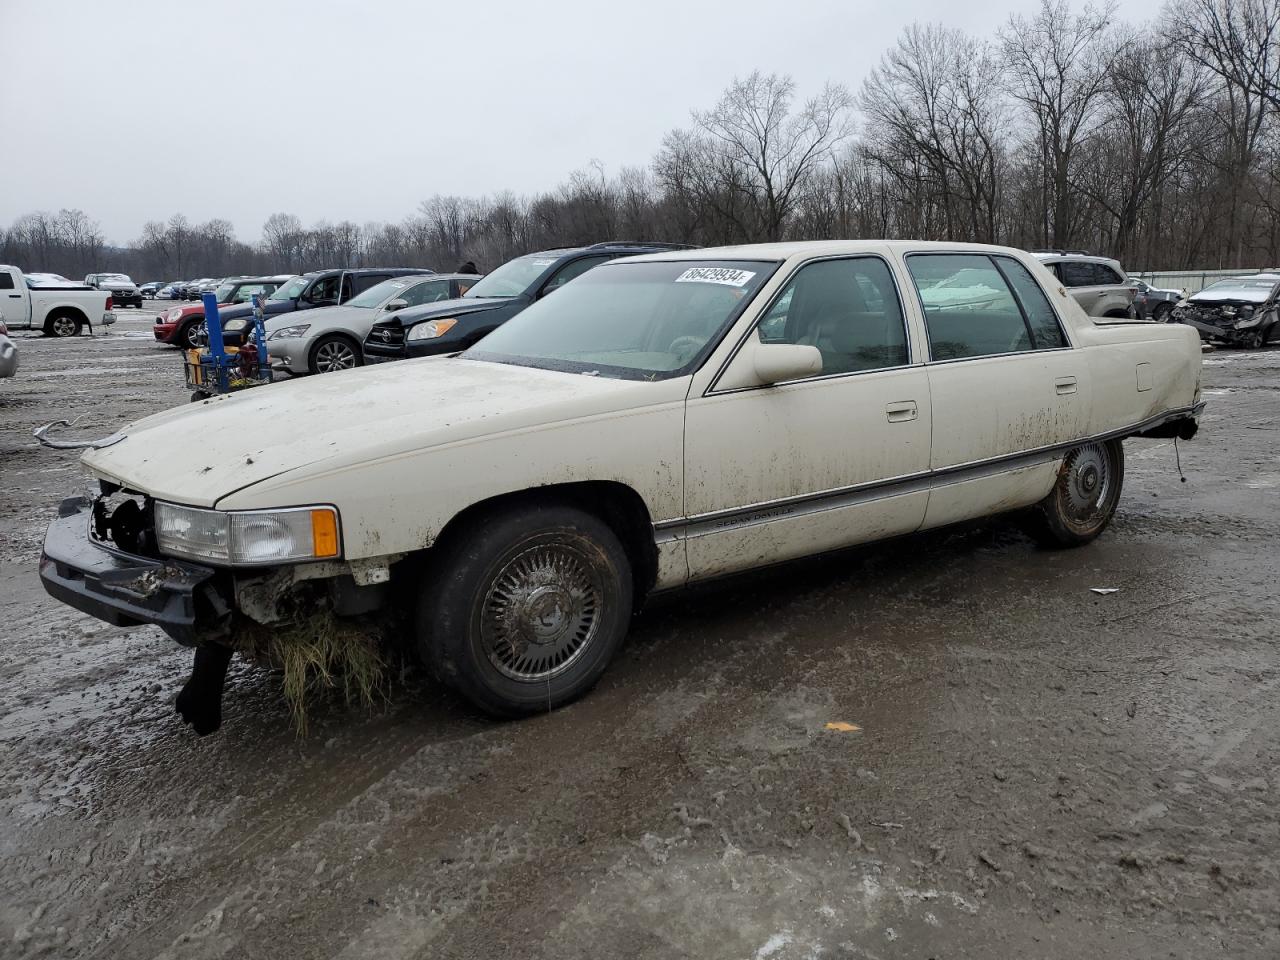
[329, 338]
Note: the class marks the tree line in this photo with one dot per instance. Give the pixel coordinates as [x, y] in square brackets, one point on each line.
[1157, 144]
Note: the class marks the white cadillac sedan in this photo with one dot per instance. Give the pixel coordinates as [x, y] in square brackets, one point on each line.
[661, 420]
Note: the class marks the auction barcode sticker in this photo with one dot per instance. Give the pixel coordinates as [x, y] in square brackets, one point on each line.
[725, 275]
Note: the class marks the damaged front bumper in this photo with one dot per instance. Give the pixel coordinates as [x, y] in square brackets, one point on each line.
[183, 599]
[1211, 331]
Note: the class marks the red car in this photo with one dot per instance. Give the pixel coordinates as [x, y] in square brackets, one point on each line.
[184, 326]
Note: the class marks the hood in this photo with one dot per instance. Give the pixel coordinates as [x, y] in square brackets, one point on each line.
[444, 308]
[201, 452]
[118, 285]
[325, 315]
[1230, 296]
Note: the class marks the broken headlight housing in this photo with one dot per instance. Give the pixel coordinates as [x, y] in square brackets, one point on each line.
[247, 538]
[1247, 318]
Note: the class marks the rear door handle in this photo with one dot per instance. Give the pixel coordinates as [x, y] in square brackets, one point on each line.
[1065, 385]
[901, 412]
[15, 296]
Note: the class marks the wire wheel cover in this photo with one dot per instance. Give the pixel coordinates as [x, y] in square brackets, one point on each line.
[1088, 478]
[541, 612]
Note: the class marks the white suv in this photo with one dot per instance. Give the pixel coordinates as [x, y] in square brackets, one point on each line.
[1098, 284]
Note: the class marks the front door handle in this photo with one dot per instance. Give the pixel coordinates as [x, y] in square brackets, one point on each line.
[901, 412]
[15, 296]
[1065, 385]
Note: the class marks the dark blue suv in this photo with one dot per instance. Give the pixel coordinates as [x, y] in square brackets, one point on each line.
[447, 326]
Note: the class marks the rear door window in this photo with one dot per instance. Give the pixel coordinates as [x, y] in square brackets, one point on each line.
[364, 281]
[6, 280]
[969, 308]
[1078, 274]
[1105, 276]
[1046, 330]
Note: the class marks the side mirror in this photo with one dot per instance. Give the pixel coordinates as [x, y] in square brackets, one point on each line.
[399, 303]
[779, 362]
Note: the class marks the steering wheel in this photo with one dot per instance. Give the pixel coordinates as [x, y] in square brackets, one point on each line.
[685, 347]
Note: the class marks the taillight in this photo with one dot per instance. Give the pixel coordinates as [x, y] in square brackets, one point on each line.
[108, 306]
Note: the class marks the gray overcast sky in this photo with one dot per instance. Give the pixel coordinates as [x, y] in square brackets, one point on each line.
[136, 109]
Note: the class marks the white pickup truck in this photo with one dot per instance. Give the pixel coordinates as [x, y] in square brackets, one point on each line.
[659, 420]
[58, 311]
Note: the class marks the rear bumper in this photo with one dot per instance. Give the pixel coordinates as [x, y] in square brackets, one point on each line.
[123, 589]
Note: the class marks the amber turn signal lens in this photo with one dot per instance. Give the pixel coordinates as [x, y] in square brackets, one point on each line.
[324, 533]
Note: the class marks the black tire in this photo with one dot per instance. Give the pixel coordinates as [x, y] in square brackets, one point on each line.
[334, 352]
[1083, 499]
[63, 325]
[1160, 313]
[564, 582]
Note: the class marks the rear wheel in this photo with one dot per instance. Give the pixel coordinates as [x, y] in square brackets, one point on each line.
[1083, 499]
[63, 325]
[525, 608]
[335, 353]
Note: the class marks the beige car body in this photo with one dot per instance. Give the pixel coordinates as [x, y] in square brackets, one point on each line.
[732, 474]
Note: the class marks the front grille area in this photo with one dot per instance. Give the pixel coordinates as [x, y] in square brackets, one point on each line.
[386, 335]
[125, 521]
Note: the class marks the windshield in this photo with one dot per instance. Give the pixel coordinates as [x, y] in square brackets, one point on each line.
[513, 277]
[291, 288]
[635, 321]
[380, 293]
[1241, 286]
[224, 292]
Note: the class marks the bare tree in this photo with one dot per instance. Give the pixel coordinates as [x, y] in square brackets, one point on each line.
[1239, 40]
[754, 154]
[936, 124]
[1058, 64]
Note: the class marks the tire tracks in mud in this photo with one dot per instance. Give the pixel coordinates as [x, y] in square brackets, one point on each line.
[506, 816]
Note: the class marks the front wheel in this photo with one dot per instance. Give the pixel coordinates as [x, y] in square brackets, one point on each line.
[524, 609]
[1161, 312]
[335, 353]
[194, 335]
[1084, 497]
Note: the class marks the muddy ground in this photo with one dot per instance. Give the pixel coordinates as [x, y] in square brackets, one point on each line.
[1040, 771]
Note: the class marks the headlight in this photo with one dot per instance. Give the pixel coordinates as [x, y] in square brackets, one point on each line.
[235, 324]
[432, 329]
[248, 538]
[174, 315]
[296, 330]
